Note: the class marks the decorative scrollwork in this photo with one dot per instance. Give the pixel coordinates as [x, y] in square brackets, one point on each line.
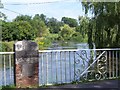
[85, 55]
[104, 75]
[86, 69]
[84, 77]
[98, 76]
[82, 61]
[77, 61]
[77, 73]
[102, 66]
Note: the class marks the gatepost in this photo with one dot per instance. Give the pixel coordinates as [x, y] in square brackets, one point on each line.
[26, 64]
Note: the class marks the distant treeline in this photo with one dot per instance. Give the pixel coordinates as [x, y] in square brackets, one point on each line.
[43, 30]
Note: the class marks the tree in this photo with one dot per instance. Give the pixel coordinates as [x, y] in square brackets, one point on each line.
[3, 16]
[66, 33]
[6, 31]
[17, 31]
[83, 26]
[24, 30]
[70, 21]
[23, 18]
[39, 26]
[106, 18]
[78, 38]
[54, 25]
[43, 18]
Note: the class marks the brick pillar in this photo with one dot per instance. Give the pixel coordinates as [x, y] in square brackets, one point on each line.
[26, 64]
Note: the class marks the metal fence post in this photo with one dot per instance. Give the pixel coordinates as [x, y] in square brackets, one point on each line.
[26, 64]
[14, 63]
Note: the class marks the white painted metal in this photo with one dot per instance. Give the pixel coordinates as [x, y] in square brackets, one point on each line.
[63, 62]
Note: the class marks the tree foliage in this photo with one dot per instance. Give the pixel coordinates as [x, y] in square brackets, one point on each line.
[83, 26]
[23, 18]
[39, 27]
[2, 16]
[66, 32]
[54, 25]
[105, 24]
[70, 21]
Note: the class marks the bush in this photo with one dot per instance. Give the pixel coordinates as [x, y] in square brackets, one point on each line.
[6, 46]
[43, 43]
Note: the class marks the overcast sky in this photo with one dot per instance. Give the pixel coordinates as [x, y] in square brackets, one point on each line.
[68, 8]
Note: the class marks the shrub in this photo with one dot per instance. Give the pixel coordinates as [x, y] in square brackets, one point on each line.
[6, 46]
[43, 42]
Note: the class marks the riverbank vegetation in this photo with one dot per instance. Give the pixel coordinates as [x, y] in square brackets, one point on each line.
[42, 30]
[103, 28]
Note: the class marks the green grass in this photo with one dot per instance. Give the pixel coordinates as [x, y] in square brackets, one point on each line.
[8, 87]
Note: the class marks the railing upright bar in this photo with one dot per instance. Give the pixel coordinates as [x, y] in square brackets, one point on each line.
[74, 65]
[116, 65]
[4, 71]
[1, 69]
[113, 63]
[56, 65]
[65, 67]
[42, 73]
[107, 61]
[61, 65]
[41, 68]
[69, 66]
[51, 68]
[119, 64]
[46, 68]
[10, 66]
[110, 62]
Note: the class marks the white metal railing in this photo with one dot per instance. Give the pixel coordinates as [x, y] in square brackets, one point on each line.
[65, 66]
[6, 68]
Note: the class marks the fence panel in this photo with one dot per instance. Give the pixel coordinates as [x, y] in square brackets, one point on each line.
[6, 68]
[66, 66]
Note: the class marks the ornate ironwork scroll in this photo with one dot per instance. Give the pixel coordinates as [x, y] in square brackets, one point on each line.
[90, 64]
[101, 67]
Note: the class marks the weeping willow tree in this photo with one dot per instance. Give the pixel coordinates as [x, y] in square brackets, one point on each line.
[104, 28]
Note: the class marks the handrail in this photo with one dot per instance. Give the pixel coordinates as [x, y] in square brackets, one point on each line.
[58, 50]
[7, 52]
[62, 50]
[77, 50]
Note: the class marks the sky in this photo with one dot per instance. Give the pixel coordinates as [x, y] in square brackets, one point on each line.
[50, 8]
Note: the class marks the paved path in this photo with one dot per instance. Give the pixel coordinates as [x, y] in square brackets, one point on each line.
[108, 84]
